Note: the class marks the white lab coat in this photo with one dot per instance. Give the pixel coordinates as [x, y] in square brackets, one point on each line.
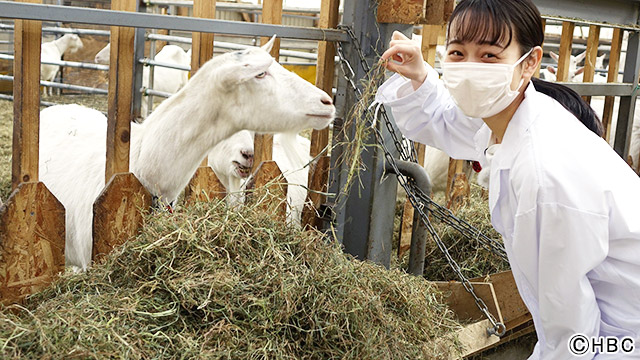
[566, 205]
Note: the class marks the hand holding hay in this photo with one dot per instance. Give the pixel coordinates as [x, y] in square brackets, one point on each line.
[405, 58]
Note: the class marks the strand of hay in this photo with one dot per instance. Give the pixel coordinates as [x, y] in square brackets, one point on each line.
[360, 119]
[207, 282]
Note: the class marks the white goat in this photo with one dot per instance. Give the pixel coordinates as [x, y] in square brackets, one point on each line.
[164, 79]
[232, 158]
[237, 90]
[53, 51]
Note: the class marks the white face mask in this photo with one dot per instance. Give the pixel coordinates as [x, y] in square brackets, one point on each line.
[481, 90]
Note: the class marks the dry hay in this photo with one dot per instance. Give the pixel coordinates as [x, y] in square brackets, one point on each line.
[207, 282]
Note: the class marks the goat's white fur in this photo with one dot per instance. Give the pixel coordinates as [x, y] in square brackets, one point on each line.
[239, 90]
[291, 154]
[53, 51]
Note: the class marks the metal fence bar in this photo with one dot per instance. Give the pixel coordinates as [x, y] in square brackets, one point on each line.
[598, 89]
[10, 98]
[232, 46]
[40, 12]
[231, 6]
[60, 30]
[86, 89]
[73, 64]
[149, 62]
[148, 91]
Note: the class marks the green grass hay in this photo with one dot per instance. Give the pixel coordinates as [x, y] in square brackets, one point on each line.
[207, 282]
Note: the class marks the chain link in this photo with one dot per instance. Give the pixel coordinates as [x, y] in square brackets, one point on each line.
[419, 200]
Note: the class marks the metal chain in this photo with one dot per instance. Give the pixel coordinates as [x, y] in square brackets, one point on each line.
[416, 196]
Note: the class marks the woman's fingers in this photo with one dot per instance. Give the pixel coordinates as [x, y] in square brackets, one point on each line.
[397, 35]
[407, 51]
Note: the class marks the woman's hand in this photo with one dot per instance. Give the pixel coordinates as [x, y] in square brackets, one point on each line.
[404, 57]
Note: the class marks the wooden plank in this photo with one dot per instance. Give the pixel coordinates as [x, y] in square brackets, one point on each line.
[458, 188]
[612, 76]
[463, 304]
[204, 186]
[406, 229]
[263, 144]
[119, 113]
[318, 182]
[32, 237]
[26, 104]
[118, 213]
[269, 189]
[325, 71]
[159, 43]
[201, 52]
[202, 43]
[590, 57]
[566, 43]
[401, 11]
[432, 36]
[537, 73]
[472, 339]
[514, 311]
[437, 12]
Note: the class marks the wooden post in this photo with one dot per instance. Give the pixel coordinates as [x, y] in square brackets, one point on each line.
[202, 44]
[160, 44]
[119, 114]
[590, 58]
[118, 210]
[26, 104]
[32, 222]
[544, 26]
[319, 174]
[458, 188]
[612, 76]
[263, 144]
[566, 42]
[204, 184]
[269, 189]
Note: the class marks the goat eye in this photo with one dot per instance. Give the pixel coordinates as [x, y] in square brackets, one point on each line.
[261, 75]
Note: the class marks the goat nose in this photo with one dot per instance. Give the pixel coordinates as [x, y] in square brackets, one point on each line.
[247, 155]
[326, 100]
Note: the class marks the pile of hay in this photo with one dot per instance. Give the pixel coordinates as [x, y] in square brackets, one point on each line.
[474, 260]
[207, 282]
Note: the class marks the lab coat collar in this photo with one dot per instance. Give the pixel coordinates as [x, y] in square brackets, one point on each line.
[505, 156]
[521, 121]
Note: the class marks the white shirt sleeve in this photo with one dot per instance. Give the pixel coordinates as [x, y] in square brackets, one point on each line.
[569, 244]
[429, 115]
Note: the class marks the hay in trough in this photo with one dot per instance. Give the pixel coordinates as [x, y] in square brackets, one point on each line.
[474, 260]
[207, 282]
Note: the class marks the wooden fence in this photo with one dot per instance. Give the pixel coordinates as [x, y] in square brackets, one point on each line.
[32, 224]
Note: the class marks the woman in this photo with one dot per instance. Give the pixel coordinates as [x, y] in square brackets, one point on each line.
[566, 205]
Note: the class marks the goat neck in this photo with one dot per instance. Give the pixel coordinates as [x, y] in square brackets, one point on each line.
[170, 144]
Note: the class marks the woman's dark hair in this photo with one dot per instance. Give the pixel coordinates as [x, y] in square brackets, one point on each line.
[572, 102]
[499, 22]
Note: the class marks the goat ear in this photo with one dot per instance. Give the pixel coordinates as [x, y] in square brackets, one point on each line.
[551, 69]
[581, 56]
[580, 70]
[553, 55]
[269, 45]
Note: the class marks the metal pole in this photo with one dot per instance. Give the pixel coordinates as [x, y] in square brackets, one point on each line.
[363, 218]
[628, 103]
